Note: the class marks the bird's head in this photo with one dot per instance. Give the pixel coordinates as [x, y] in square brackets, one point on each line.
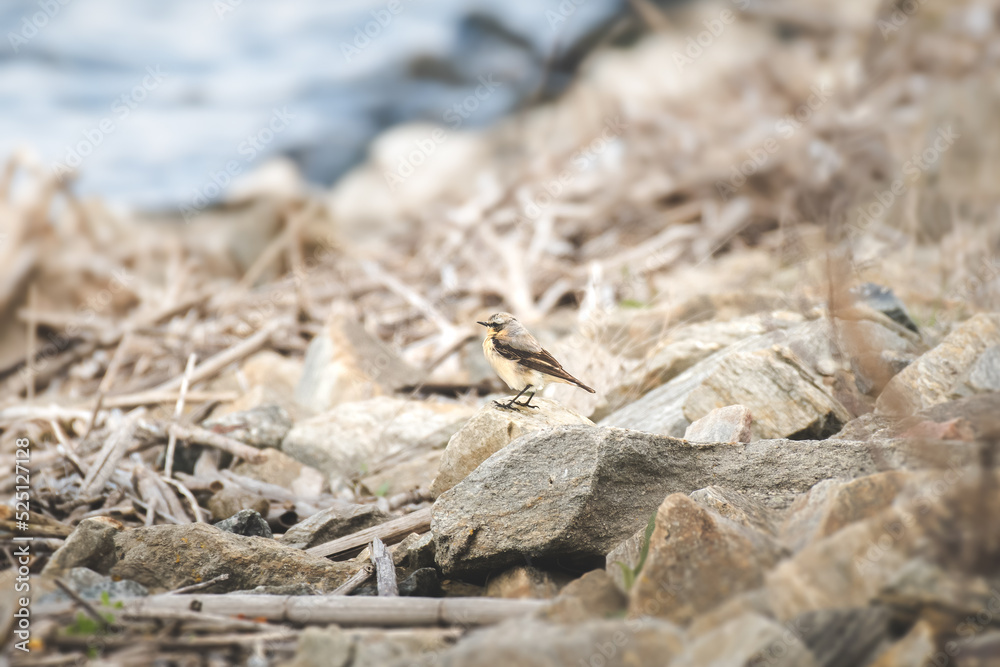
[498, 323]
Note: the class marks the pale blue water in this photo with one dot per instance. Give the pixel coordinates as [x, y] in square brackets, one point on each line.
[160, 94]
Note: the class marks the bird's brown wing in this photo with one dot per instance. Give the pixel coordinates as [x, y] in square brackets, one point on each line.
[540, 361]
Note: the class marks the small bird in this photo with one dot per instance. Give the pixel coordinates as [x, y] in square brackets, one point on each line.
[520, 361]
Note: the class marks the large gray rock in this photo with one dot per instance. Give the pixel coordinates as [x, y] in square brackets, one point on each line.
[168, 557]
[611, 643]
[492, 429]
[575, 492]
[819, 349]
[353, 437]
[696, 560]
[936, 376]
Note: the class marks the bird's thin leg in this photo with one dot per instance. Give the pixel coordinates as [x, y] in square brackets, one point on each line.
[510, 404]
[527, 403]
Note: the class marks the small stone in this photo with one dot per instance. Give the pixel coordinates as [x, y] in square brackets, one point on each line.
[171, 556]
[264, 426]
[90, 545]
[728, 424]
[230, 499]
[248, 523]
[490, 430]
[522, 581]
[342, 518]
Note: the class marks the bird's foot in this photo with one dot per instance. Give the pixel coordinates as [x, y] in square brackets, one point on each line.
[506, 406]
[527, 405]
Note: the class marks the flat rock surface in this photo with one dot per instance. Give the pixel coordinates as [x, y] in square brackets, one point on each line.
[168, 557]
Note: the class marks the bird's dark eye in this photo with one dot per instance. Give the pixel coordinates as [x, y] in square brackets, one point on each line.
[496, 326]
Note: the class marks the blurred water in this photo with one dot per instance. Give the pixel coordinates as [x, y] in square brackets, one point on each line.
[160, 95]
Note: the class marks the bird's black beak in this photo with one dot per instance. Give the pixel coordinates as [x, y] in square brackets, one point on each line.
[483, 323]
